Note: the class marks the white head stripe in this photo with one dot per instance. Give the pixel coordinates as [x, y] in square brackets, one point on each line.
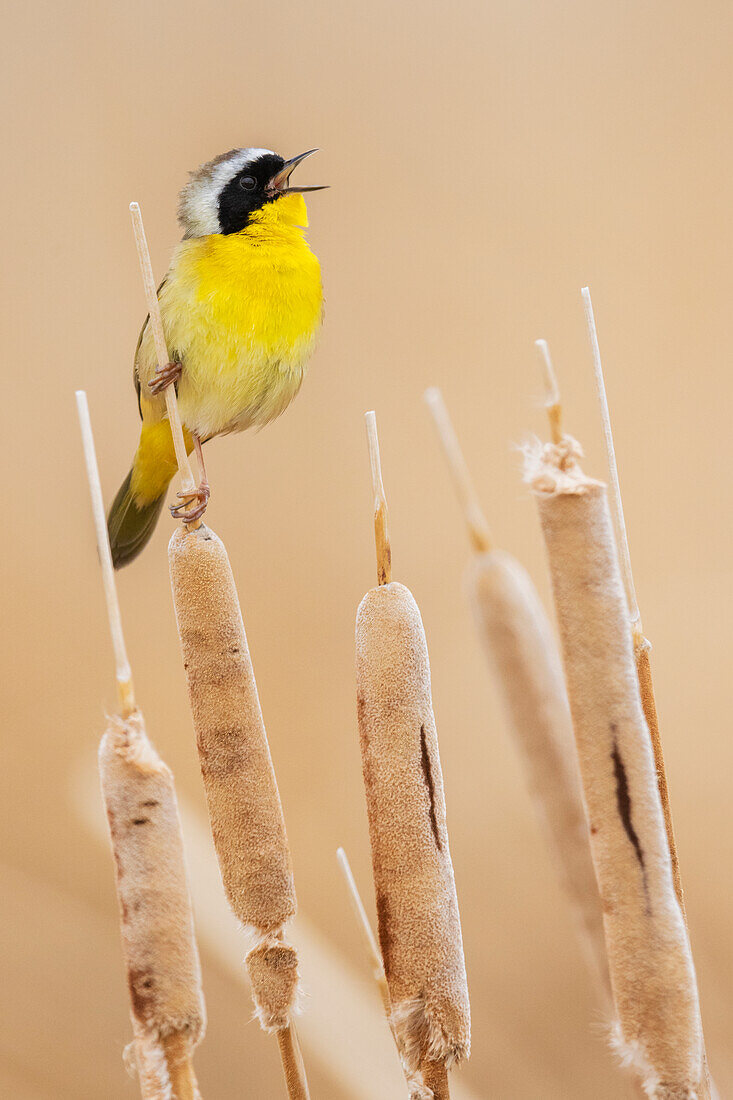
[198, 208]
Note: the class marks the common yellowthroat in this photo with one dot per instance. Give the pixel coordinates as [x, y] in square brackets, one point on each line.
[241, 305]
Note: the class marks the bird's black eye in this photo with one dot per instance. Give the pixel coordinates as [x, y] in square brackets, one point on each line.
[247, 183]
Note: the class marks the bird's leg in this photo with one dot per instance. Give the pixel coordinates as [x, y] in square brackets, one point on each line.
[199, 498]
[199, 448]
[164, 376]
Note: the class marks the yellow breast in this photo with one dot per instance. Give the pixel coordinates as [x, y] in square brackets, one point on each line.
[241, 313]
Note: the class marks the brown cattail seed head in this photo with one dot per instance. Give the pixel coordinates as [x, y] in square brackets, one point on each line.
[649, 956]
[273, 971]
[523, 654]
[244, 804]
[162, 960]
[417, 909]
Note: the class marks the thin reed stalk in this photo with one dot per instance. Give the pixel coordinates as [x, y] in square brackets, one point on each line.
[416, 1088]
[381, 512]
[155, 321]
[365, 928]
[123, 672]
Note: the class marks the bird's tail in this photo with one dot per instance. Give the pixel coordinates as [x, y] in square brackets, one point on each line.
[130, 524]
[135, 509]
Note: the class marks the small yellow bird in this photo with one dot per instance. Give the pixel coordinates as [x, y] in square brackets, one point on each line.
[241, 305]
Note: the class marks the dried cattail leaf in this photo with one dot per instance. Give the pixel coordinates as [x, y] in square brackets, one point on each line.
[417, 908]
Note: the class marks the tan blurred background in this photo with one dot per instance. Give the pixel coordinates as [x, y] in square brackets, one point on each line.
[486, 161]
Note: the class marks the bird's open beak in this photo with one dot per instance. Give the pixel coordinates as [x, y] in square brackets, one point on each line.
[279, 182]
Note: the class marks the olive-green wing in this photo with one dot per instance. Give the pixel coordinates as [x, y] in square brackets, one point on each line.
[135, 378]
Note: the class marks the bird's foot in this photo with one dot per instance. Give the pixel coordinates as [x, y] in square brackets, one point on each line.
[165, 376]
[193, 504]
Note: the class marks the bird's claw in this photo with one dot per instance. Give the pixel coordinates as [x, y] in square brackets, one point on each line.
[165, 376]
[184, 511]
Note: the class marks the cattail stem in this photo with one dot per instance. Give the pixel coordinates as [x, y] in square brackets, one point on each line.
[292, 1062]
[156, 324]
[180, 1068]
[478, 528]
[362, 920]
[615, 500]
[381, 515]
[123, 672]
[413, 1083]
[553, 405]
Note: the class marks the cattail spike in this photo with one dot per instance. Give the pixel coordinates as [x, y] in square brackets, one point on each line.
[125, 692]
[361, 916]
[553, 404]
[617, 507]
[478, 528]
[419, 922]
[381, 514]
[164, 974]
[156, 323]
